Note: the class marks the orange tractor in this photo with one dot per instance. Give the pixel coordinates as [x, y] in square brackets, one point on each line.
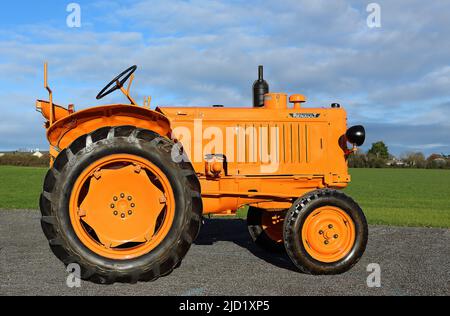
[128, 186]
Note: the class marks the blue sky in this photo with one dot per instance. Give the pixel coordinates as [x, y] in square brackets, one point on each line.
[395, 79]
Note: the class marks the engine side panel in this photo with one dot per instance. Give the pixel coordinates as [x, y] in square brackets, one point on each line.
[265, 142]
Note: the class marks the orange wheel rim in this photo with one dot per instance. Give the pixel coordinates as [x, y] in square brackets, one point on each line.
[122, 207]
[272, 224]
[328, 234]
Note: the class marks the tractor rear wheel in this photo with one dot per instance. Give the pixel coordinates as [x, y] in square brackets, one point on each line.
[266, 228]
[325, 232]
[116, 204]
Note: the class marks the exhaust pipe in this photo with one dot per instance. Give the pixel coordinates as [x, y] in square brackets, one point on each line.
[260, 89]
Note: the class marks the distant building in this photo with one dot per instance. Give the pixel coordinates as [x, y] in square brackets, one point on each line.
[38, 154]
[440, 161]
[395, 162]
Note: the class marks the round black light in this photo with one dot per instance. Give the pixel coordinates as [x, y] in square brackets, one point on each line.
[356, 135]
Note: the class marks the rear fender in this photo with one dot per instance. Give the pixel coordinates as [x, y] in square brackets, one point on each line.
[61, 134]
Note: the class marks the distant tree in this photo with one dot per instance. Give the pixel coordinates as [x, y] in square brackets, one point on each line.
[436, 161]
[24, 159]
[357, 160]
[414, 159]
[379, 150]
[375, 162]
[434, 157]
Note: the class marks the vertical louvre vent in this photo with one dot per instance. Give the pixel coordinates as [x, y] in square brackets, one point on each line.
[288, 142]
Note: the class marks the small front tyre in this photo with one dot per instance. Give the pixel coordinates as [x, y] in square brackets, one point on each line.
[325, 232]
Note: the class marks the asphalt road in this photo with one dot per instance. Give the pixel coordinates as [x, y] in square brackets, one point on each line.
[223, 261]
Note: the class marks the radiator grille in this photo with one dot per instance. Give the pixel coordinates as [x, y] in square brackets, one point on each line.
[287, 141]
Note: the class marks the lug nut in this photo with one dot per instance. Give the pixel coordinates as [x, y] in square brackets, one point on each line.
[321, 232]
[330, 226]
[133, 205]
[130, 198]
[336, 236]
[123, 215]
[113, 206]
[122, 195]
[326, 242]
[115, 198]
[130, 213]
[116, 213]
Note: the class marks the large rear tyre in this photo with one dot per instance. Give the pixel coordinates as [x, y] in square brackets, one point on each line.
[116, 204]
[325, 232]
[266, 228]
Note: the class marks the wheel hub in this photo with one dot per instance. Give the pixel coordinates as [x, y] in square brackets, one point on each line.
[328, 234]
[125, 206]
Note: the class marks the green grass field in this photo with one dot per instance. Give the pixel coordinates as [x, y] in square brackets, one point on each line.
[20, 187]
[402, 197]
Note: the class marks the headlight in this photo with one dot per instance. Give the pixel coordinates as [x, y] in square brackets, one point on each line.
[356, 135]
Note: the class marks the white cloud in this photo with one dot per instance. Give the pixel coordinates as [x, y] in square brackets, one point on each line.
[206, 52]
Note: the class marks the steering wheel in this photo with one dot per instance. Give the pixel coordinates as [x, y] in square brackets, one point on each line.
[118, 82]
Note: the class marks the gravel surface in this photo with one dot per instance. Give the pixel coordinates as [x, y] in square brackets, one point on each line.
[223, 261]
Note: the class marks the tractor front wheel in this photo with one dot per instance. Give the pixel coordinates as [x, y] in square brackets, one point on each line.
[325, 232]
[116, 204]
